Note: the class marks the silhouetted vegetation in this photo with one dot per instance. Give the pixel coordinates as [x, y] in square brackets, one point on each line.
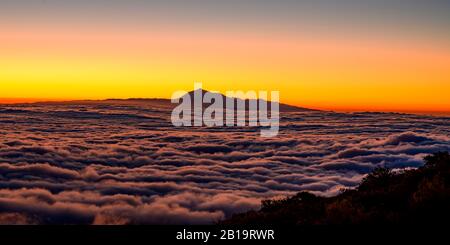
[384, 197]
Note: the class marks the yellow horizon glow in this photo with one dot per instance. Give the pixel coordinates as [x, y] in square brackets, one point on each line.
[310, 70]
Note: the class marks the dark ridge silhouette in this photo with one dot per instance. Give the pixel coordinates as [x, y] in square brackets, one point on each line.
[242, 107]
[166, 103]
[418, 196]
[282, 107]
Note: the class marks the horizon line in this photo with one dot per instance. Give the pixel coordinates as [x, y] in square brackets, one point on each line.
[18, 101]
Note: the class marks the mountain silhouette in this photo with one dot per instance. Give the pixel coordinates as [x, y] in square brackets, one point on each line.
[282, 107]
[164, 103]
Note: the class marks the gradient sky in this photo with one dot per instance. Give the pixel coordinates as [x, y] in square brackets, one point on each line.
[345, 55]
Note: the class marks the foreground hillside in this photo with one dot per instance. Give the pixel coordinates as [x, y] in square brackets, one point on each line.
[410, 196]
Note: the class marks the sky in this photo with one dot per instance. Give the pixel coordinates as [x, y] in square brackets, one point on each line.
[340, 55]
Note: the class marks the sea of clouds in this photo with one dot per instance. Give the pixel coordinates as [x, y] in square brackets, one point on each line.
[122, 162]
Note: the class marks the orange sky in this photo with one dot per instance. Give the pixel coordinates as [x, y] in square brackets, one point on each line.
[318, 69]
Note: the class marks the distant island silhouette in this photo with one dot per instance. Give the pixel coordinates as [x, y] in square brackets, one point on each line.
[166, 103]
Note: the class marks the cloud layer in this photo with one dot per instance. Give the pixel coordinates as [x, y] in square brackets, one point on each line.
[124, 163]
